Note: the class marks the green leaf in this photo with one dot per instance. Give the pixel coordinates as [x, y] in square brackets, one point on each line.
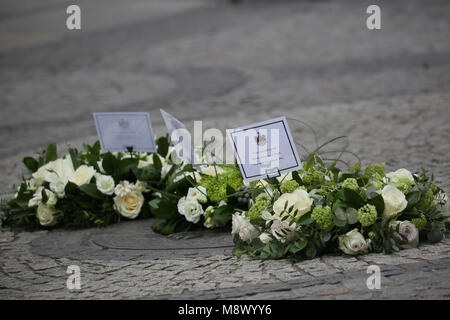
[109, 164]
[92, 191]
[31, 164]
[163, 146]
[50, 154]
[305, 219]
[157, 162]
[435, 235]
[126, 166]
[378, 202]
[353, 199]
[163, 208]
[73, 156]
[297, 178]
[413, 198]
[297, 246]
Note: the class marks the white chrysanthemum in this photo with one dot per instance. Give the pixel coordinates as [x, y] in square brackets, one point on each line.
[123, 188]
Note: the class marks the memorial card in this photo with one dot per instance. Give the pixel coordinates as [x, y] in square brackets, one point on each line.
[264, 149]
[120, 131]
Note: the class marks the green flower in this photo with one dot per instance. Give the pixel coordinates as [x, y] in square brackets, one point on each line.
[261, 203]
[426, 201]
[420, 222]
[367, 215]
[210, 222]
[350, 183]
[216, 186]
[313, 178]
[323, 217]
[289, 186]
[373, 169]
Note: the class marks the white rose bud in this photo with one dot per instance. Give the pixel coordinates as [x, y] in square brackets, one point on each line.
[198, 193]
[47, 215]
[394, 201]
[191, 209]
[82, 175]
[300, 199]
[242, 226]
[129, 205]
[105, 184]
[353, 243]
[409, 231]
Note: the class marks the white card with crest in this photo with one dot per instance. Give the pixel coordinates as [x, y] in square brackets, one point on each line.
[120, 131]
[264, 149]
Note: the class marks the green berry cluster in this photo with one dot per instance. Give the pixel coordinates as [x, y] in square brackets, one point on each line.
[323, 217]
[262, 201]
[289, 186]
[350, 183]
[367, 215]
[420, 222]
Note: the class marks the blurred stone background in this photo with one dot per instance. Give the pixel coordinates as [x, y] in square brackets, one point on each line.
[230, 65]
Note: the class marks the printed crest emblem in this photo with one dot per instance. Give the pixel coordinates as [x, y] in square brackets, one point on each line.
[261, 139]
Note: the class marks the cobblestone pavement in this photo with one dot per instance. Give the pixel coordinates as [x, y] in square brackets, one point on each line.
[315, 61]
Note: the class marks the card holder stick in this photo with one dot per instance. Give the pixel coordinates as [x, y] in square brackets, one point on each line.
[275, 174]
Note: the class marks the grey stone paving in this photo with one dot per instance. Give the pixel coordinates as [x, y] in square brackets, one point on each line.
[315, 61]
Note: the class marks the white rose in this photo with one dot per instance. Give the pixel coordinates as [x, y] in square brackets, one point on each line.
[299, 199]
[191, 209]
[242, 226]
[353, 243]
[58, 186]
[394, 201]
[408, 230]
[41, 173]
[129, 205]
[282, 230]
[197, 193]
[105, 184]
[37, 198]
[60, 169]
[400, 175]
[82, 175]
[123, 188]
[47, 215]
[265, 237]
